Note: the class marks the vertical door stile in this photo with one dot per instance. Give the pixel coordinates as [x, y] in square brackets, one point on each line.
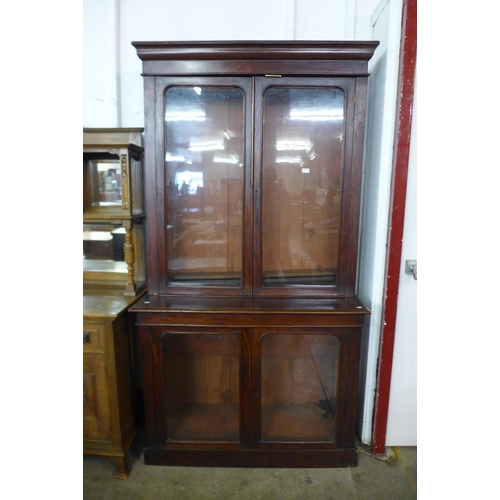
[256, 192]
[250, 207]
[146, 345]
[358, 104]
[159, 387]
[343, 389]
[245, 388]
[353, 377]
[160, 196]
[150, 183]
[256, 384]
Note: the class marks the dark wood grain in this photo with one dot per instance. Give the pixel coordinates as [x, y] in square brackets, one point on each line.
[302, 457]
[255, 58]
[196, 320]
[255, 50]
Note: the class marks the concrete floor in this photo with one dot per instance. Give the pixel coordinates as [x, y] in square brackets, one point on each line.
[392, 477]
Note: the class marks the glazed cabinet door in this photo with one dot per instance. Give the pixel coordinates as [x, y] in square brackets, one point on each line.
[258, 179]
[201, 384]
[300, 386]
[253, 393]
[204, 164]
[304, 138]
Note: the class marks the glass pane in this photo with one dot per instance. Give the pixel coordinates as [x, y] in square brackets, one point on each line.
[202, 387]
[299, 387]
[103, 248]
[105, 180]
[204, 129]
[301, 185]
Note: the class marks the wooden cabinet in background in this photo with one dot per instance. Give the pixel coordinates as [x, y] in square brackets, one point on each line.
[111, 407]
[114, 269]
[113, 210]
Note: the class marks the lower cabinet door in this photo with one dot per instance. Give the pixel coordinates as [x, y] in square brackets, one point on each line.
[201, 373]
[251, 396]
[298, 378]
[209, 390]
[96, 407]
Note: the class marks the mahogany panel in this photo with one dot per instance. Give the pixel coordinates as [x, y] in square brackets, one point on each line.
[241, 319]
[275, 67]
[255, 58]
[255, 305]
[302, 457]
[255, 50]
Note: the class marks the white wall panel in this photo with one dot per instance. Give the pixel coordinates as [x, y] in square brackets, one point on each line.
[154, 20]
[100, 100]
[112, 91]
[320, 19]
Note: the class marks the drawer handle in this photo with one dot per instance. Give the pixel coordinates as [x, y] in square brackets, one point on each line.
[86, 337]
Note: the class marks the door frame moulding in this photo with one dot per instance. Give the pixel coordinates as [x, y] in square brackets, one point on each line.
[406, 84]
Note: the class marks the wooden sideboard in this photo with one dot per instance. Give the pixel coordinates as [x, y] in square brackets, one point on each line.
[111, 406]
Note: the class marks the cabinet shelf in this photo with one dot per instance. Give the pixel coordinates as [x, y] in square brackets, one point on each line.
[286, 423]
[203, 422]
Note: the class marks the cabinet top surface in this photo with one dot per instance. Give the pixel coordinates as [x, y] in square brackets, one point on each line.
[109, 137]
[253, 305]
[106, 305]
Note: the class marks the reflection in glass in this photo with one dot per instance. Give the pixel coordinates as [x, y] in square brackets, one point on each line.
[105, 181]
[103, 248]
[303, 134]
[201, 374]
[204, 176]
[299, 387]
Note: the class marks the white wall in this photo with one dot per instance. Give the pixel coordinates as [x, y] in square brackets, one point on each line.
[100, 71]
[113, 84]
